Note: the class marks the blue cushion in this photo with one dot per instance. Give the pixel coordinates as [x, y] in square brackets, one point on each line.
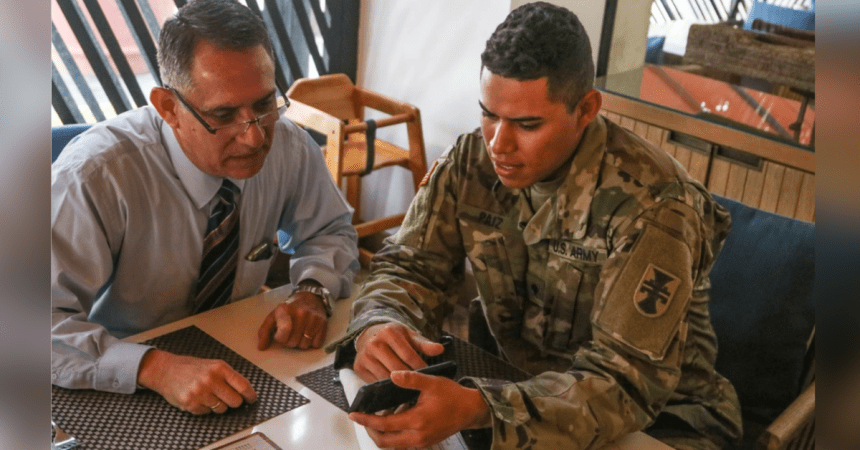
[61, 135]
[804, 20]
[761, 307]
[654, 52]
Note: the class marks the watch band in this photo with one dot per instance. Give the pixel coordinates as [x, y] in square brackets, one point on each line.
[319, 291]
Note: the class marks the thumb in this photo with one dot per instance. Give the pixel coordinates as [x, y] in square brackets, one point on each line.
[410, 379]
[426, 346]
[264, 334]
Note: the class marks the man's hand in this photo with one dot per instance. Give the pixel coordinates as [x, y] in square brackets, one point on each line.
[199, 386]
[384, 348]
[443, 408]
[300, 322]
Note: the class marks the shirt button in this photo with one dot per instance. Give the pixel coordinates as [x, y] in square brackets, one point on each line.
[115, 383]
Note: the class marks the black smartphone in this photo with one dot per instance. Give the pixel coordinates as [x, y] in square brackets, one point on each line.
[384, 394]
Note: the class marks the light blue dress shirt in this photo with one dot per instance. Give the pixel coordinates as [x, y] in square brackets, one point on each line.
[128, 215]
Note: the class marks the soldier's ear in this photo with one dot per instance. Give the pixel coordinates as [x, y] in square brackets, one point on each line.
[588, 108]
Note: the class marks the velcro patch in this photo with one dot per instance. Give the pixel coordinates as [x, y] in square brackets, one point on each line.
[426, 178]
[655, 292]
[646, 302]
[478, 218]
[577, 252]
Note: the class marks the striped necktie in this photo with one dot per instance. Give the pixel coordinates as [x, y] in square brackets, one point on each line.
[220, 251]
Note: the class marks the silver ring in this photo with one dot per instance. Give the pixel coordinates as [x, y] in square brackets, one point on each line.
[216, 405]
[305, 335]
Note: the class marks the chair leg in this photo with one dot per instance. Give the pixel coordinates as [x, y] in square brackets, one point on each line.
[364, 256]
[353, 196]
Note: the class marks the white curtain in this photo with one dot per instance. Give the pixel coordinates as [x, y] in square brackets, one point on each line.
[426, 53]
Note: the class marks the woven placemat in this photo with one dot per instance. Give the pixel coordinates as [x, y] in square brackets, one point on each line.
[144, 420]
[471, 361]
[322, 382]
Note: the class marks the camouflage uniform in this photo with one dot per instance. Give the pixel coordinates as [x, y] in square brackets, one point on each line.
[601, 293]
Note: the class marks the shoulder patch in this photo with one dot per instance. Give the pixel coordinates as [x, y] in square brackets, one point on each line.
[644, 304]
[655, 292]
[429, 173]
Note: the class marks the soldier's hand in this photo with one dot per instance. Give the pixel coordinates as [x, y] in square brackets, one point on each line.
[443, 408]
[196, 385]
[384, 348]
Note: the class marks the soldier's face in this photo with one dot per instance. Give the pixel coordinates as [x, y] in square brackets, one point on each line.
[528, 137]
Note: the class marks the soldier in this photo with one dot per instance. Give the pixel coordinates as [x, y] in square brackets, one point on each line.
[591, 250]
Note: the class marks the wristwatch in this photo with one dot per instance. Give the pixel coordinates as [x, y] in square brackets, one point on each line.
[317, 290]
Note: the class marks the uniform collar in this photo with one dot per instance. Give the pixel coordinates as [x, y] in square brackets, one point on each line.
[201, 186]
[573, 198]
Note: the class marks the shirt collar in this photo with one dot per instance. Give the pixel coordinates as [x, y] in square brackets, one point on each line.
[577, 192]
[573, 198]
[201, 186]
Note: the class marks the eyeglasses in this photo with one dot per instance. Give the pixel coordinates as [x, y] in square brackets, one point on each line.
[281, 105]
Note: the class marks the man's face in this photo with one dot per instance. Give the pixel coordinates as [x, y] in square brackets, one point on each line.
[229, 86]
[528, 137]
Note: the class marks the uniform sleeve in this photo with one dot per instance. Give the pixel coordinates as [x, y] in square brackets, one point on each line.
[620, 380]
[85, 235]
[412, 277]
[316, 228]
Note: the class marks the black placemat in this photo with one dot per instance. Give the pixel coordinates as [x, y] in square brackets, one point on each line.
[144, 420]
[322, 382]
[471, 361]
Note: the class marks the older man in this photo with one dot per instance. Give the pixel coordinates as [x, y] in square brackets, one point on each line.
[171, 209]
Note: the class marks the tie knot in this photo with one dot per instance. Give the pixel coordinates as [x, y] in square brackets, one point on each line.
[228, 191]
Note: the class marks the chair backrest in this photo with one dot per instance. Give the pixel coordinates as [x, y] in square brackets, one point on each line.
[61, 135]
[762, 307]
[780, 15]
[333, 94]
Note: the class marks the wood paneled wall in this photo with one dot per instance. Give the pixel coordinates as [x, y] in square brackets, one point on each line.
[783, 182]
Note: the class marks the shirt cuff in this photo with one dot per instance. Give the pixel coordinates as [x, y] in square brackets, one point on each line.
[503, 398]
[323, 276]
[118, 366]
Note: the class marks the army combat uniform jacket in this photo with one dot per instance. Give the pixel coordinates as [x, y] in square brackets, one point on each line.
[601, 293]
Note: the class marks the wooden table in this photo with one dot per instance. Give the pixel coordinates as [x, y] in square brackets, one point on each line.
[318, 424]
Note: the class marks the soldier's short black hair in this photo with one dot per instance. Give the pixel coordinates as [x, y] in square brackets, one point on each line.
[543, 40]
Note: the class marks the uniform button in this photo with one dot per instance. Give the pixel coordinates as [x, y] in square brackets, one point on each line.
[54, 376]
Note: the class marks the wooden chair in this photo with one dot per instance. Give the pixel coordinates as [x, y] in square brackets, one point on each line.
[333, 106]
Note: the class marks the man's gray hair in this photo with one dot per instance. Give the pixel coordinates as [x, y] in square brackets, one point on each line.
[223, 23]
